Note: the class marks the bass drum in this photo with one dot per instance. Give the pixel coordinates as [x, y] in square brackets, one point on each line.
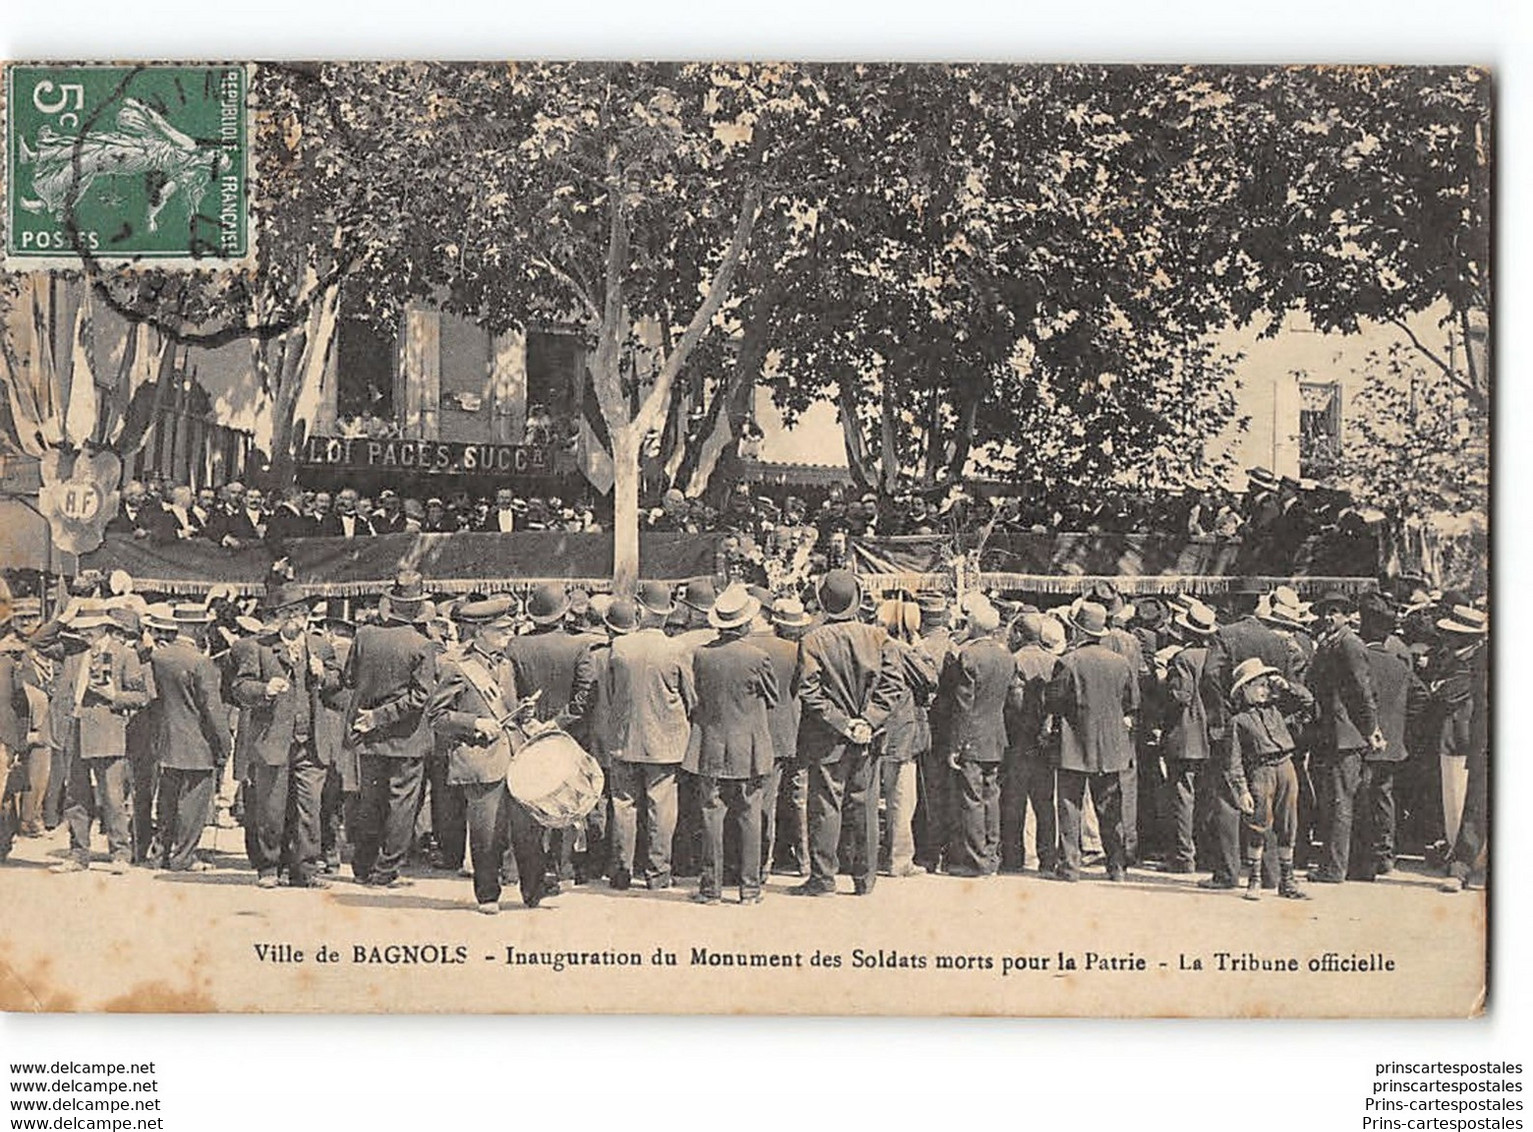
[555, 779]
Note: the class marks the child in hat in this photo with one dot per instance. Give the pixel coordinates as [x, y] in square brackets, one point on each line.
[1261, 770]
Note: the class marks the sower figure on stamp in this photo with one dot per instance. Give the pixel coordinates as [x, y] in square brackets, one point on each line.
[190, 730]
[283, 678]
[392, 672]
[110, 686]
[848, 680]
[473, 710]
[1094, 693]
[731, 750]
[973, 689]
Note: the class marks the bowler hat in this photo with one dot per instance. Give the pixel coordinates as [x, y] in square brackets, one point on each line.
[1090, 618]
[699, 594]
[1152, 612]
[547, 604]
[1335, 599]
[622, 616]
[656, 597]
[839, 593]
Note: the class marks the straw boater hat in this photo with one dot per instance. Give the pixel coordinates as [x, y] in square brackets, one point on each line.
[1467, 620]
[1090, 618]
[789, 613]
[733, 608]
[1248, 670]
[1051, 635]
[1199, 619]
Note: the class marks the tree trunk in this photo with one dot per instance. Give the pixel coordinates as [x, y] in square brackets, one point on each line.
[626, 442]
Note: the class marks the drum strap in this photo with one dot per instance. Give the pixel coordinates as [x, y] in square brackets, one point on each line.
[483, 682]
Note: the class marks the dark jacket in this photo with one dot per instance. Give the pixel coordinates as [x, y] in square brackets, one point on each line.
[1346, 706]
[736, 688]
[972, 690]
[1400, 697]
[1186, 720]
[457, 704]
[276, 723]
[285, 524]
[392, 669]
[846, 671]
[554, 662]
[1092, 690]
[904, 729]
[190, 722]
[1027, 717]
[15, 715]
[1233, 643]
[783, 717]
[331, 526]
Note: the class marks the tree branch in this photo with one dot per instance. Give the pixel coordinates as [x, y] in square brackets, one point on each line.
[718, 290]
[571, 282]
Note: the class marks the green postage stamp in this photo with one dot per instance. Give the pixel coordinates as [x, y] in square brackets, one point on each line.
[146, 163]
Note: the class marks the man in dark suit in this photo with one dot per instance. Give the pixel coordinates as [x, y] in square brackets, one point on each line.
[1347, 725]
[1400, 696]
[1094, 693]
[502, 517]
[731, 750]
[344, 521]
[1242, 639]
[1470, 855]
[848, 682]
[140, 516]
[392, 672]
[779, 640]
[1028, 770]
[190, 730]
[287, 521]
[470, 710]
[1192, 772]
[283, 678]
[243, 520]
[390, 518]
[935, 814]
[972, 690]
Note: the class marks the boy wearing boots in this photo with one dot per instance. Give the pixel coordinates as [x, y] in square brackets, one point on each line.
[1261, 771]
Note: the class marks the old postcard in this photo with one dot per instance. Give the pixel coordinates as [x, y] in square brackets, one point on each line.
[745, 538]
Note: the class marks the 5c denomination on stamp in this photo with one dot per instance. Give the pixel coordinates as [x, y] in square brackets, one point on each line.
[123, 164]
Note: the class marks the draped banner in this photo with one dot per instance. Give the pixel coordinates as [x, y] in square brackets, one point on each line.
[452, 563]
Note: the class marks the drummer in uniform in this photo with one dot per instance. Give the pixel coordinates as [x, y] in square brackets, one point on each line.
[471, 712]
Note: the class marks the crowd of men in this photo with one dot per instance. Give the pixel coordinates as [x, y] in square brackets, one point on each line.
[820, 732]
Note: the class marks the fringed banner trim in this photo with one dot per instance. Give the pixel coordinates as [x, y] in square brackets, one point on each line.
[1173, 583]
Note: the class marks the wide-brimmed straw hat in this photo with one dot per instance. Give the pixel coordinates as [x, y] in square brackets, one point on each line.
[735, 607]
[1247, 670]
[1198, 618]
[1465, 619]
